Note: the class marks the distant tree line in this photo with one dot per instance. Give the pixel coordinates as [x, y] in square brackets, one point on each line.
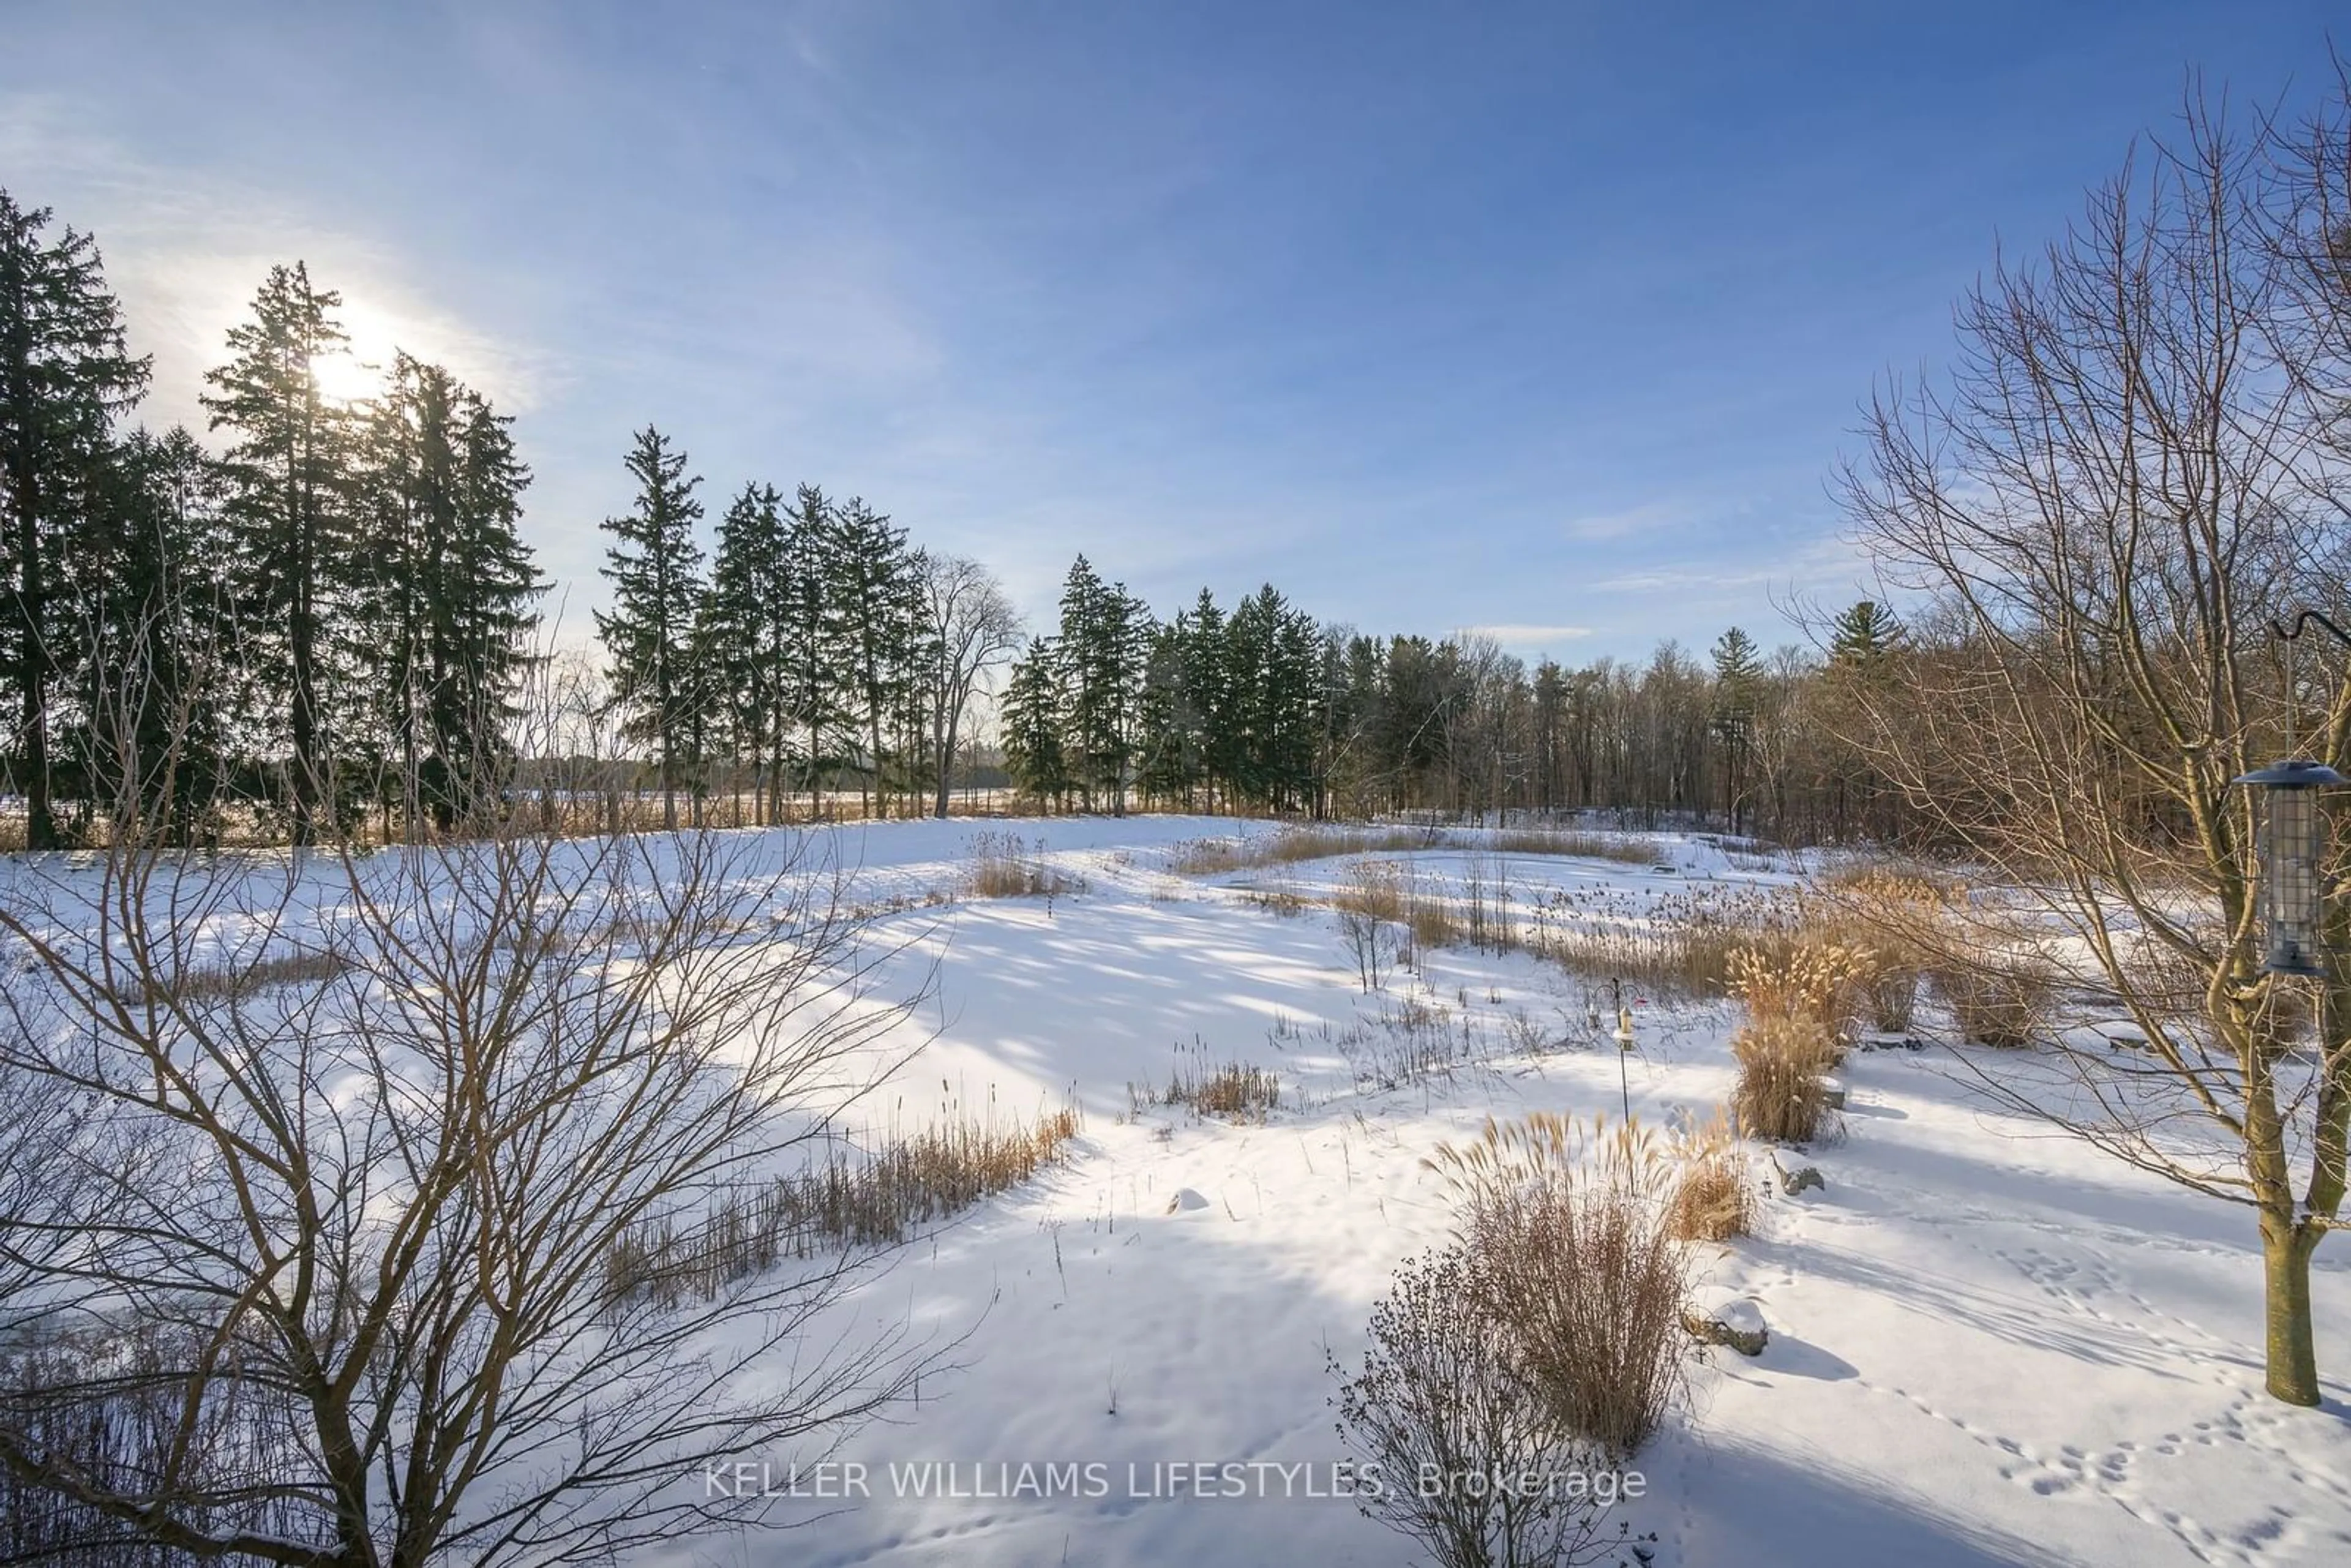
[1260, 709]
[329, 612]
[820, 649]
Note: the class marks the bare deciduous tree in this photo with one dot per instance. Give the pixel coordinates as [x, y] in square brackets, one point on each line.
[335, 1157]
[2102, 507]
[971, 628]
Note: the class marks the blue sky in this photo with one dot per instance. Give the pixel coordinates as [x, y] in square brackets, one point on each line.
[1551, 320]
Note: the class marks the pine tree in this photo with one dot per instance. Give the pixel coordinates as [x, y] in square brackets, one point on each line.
[1035, 713]
[1167, 729]
[64, 375]
[874, 599]
[1738, 684]
[1209, 684]
[806, 691]
[654, 569]
[748, 612]
[1104, 642]
[448, 582]
[288, 507]
[485, 617]
[155, 638]
[1860, 638]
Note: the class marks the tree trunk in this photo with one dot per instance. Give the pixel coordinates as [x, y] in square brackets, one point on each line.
[2291, 1352]
[40, 821]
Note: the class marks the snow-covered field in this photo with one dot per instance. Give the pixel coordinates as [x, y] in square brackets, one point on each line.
[1988, 1344]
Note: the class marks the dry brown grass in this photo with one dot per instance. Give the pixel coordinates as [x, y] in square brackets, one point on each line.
[235, 981]
[1379, 890]
[1233, 1090]
[847, 1199]
[1567, 841]
[1797, 996]
[1894, 917]
[1003, 866]
[1572, 1254]
[1290, 844]
[1781, 1093]
[1712, 1197]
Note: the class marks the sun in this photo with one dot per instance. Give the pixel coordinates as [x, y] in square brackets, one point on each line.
[342, 376]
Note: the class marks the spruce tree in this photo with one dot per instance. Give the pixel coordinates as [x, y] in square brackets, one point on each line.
[290, 468]
[1104, 642]
[64, 375]
[807, 692]
[448, 582]
[1168, 728]
[155, 639]
[1208, 681]
[1035, 715]
[486, 616]
[748, 612]
[874, 593]
[654, 569]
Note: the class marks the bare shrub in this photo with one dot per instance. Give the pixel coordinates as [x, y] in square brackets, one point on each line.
[2004, 1003]
[104, 1403]
[508, 1054]
[1712, 1198]
[1369, 900]
[1443, 1408]
[1378, 889]
[1431, 921]
[1568, 1230]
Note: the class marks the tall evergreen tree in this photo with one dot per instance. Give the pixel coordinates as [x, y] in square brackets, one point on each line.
[655, 572]
[1738, 685]
[873, 594]
[1105, 633]
[1035, 713]
[64, 375]
[449, 583]
[1863, 635]
[290, 468]
[1209, 684]
[748, 612]
[154, 637]
[808, 689]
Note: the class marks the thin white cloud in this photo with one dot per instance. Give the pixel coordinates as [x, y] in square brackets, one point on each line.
[1817, 560]
[1648, 517]
[1514, 635]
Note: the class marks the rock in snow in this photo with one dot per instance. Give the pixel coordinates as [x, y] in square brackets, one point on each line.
[1719, 1317]
[1800, 1179]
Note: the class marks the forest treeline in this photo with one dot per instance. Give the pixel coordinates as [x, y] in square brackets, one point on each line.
[319, 613]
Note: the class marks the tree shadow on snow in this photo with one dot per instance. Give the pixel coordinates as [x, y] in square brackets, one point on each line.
[1748, 1505]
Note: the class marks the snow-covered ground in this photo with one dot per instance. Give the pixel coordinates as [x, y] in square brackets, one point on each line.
[1988, 1344]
